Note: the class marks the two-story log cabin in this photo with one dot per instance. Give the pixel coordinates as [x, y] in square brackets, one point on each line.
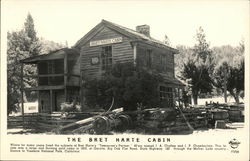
[62, 72]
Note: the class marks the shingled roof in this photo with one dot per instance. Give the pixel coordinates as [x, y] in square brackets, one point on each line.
[136, 36]
[59, 53]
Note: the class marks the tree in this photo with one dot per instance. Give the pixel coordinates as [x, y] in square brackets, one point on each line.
[20, 45]
[48, 46]
[197, 69]
[198, 78]
[15, 52]
[166, 41]
[125, 86]
[185, 53]
[33, 44]
[228, 73]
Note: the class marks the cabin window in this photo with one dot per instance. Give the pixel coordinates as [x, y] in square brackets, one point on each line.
[166, 96]
[106, 57]
[149, 58]
[42, 68]
[58, 66]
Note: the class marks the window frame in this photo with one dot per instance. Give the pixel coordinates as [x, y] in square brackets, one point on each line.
[106, 57]
[166, 94]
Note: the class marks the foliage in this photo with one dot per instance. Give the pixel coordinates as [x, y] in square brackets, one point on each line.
[196, 69]
[198, 76]
[48, 46]
[15, 52]
[201, 49]
[20, 45]
[166, 41]
[229, 70]
[32, 45]
[126, 86]
[184, 55]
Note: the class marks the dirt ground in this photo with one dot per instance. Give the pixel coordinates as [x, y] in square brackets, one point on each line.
[231, 127]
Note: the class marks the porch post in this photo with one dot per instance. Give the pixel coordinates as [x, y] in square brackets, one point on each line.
[179, 96]
[51, 100]
[38, 99]
[22, 88]
[81, 90]
[135, 53]
[38, 92]
[65, 75]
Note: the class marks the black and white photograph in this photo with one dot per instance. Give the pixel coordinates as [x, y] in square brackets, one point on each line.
[127, 71]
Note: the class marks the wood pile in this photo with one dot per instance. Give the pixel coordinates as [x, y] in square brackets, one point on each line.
[149, 121]
[98, 124]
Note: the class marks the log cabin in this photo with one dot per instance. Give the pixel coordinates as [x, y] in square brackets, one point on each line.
[62, 72]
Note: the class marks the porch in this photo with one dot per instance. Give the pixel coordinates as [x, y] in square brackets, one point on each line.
[57, 79]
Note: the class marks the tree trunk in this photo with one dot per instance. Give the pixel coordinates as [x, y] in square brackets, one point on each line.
[225, 88]
[236, 98]
[195, 97]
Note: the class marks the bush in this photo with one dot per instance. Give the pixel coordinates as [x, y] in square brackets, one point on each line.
[127, 85]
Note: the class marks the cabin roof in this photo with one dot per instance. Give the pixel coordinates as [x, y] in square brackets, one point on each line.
[134, 35]
[172, 80]
[56, 54]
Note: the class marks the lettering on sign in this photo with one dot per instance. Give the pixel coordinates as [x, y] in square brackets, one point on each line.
[106, 41]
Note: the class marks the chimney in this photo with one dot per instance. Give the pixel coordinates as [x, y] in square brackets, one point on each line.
[143, 29]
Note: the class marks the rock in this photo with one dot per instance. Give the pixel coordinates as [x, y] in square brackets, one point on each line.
[220, 124]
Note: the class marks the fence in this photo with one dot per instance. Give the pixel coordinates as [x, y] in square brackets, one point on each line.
[45, 122]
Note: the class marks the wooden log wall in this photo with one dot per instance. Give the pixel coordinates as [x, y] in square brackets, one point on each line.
[74, 71]
[121, 52]
[162, 62]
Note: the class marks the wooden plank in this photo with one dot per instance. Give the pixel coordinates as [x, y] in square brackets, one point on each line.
[39, 100]
[47, 126]
[65, 76]
[81, 83]
[51, 75]
[22, 99]
[120, 52]
[44, 88]
[51, 102]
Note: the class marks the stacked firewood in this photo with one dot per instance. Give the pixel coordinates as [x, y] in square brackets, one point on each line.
[98, 124]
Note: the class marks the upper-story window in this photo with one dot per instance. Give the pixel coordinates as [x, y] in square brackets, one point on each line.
[106, 57]
[149, 58]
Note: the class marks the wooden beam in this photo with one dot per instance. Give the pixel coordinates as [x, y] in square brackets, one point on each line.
[65, 75]
[157, 46]
[45, 57]
[81, 90]
[22, 99]
[44, 88]
[38, 93]
[51, 100]
[73, 75]
[135, 52]
[179, 101]
[51, 75]
[39, 100]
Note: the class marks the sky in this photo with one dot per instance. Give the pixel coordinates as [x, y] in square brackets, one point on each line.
[224, 22]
